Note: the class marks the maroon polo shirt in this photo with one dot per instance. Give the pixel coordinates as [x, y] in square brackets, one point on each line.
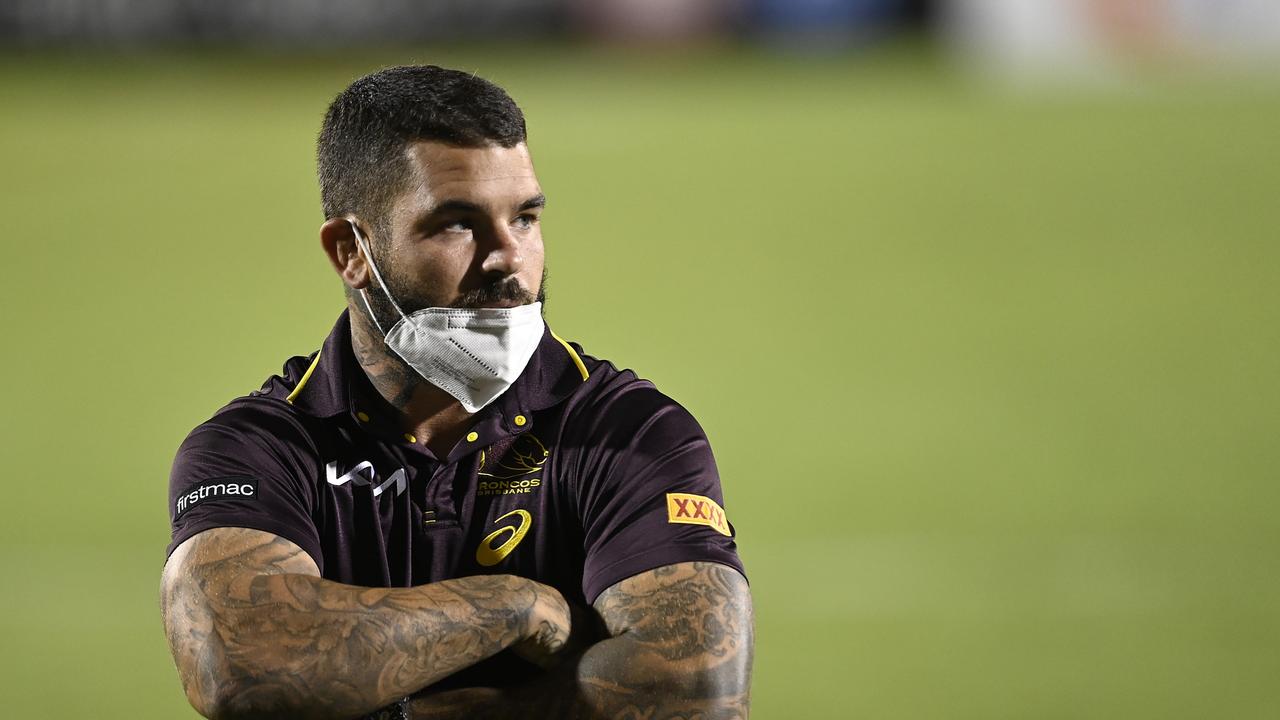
[578, 476]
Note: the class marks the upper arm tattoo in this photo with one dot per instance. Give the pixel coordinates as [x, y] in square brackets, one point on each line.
[198, 579]
[691, 621]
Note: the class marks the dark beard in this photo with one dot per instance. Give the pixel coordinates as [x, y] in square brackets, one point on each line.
[505, 289]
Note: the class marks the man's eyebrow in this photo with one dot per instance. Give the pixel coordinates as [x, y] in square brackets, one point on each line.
[537, 201]
[452, 206]
[466, 206]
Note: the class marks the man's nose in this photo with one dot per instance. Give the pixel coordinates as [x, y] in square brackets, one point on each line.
[502, 252]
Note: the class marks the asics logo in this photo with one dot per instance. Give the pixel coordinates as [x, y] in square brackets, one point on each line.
[487, 554]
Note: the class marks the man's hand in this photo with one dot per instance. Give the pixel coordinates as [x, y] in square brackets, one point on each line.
[255, 632]
[585, 630]
[548, 631]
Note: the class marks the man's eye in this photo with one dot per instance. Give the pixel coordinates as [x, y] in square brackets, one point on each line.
[526, 221]
[458, 226]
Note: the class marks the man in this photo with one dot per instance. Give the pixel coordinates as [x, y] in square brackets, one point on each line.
[404, 520]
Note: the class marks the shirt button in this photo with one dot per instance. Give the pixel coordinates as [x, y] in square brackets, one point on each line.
[410, 438]
[362, 416]
[521, 420]
[472, 436]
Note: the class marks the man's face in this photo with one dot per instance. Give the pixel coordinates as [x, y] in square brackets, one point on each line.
[466, 233]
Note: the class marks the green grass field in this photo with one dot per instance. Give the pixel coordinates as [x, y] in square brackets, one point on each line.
[991, 376]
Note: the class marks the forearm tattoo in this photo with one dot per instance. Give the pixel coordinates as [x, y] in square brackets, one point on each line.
[255, 632]
[681, 649]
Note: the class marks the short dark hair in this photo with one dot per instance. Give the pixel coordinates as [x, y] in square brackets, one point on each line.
[360, 156]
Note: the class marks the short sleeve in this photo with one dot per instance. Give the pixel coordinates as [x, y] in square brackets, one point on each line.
[247, 467]
[650, 493]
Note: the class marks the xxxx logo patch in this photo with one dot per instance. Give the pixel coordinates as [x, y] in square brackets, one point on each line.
[696, 510]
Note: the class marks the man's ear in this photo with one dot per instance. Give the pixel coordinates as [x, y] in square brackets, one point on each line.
[339, 242]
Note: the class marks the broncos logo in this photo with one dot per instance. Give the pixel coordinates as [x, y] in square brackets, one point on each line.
[526, 455]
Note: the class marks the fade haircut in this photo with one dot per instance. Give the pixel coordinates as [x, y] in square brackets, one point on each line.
[360, 154]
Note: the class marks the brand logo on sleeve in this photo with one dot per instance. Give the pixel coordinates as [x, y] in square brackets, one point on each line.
[487, 554]
[691, 509]
[364, 474]
[239, 488]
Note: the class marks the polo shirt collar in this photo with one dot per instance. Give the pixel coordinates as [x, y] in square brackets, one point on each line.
[337, 385]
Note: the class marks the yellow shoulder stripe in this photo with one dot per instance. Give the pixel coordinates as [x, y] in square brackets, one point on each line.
[305, 377]
[573, 354]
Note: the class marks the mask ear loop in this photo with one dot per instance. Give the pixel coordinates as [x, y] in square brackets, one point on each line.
[369, 311]
[363, 244]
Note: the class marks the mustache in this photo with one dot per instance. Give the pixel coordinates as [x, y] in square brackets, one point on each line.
[507, 289]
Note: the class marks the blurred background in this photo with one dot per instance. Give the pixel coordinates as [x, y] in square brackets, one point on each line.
[976, 299]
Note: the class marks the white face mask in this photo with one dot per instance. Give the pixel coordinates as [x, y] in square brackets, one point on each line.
[472, 354]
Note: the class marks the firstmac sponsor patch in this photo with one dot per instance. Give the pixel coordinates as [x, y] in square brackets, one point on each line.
[240, 488]
[692, 509]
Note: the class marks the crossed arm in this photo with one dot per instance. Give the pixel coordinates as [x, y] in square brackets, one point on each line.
[255, 632]
[680, 648]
